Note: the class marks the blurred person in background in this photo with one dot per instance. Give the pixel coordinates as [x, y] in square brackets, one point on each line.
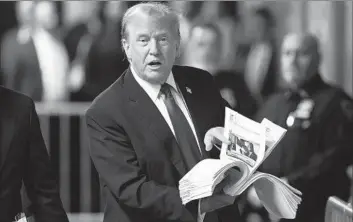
[188, 11]
[317, 148]
[90, 26]
[261, 64]
[24, 160]
[40, 61]
[103, 59]
[205, 52]
[224, 15]
[12, 41]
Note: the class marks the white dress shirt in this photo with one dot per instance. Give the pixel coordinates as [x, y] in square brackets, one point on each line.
[153, 92]
[53, 63]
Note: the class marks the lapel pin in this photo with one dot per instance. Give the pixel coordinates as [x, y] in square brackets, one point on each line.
[188, 90]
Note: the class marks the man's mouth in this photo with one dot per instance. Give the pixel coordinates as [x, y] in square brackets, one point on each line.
[155, 64]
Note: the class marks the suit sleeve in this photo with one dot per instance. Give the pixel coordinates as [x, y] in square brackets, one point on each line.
[116, 162]
[39, 180]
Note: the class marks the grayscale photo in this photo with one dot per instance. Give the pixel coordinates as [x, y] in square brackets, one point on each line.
[116, 111]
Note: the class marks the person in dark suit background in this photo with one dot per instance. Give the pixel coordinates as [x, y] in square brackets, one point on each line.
[205, 52]
[24, 158]
[34, 60]
[317, 149]
[151, 126]
[261, 66]
[11, 40]
[103, 59]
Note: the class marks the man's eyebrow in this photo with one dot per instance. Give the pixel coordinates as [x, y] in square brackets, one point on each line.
[164, 33]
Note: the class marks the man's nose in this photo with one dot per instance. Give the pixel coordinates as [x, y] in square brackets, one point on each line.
[154, 47]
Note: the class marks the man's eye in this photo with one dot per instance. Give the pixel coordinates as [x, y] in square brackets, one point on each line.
[163, 39]
[143, 40]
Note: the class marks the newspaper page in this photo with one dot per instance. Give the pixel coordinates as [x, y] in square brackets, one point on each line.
[247, 139]
[274, 134]
[251, 143]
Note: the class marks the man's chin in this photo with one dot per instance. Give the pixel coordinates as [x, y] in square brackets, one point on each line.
[156, 77]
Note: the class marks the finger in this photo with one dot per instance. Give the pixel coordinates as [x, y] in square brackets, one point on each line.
[208, 147]
[208, 143]
[219, 139]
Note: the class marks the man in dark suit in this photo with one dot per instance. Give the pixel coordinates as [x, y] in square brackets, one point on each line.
[10, 40]
[35, 61]
[317, 149]
[147, 130]
[24, 158]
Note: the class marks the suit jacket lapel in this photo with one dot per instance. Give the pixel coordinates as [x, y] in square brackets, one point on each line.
[191, 97]
[149, 115]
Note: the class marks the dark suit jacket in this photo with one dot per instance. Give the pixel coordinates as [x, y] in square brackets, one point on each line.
[136, 154]
[24, 158]
[20, 65]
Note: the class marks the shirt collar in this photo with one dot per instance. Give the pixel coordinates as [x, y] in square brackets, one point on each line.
[153, 89]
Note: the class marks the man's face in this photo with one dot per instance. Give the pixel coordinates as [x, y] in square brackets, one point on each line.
[23, 12]
[299, 59]
[45, 14]
[151, 47]
[114, 10]
[207, 45]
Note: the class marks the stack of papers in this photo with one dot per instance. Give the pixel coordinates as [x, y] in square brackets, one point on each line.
[278, 197]
[202, 179]
[250, 144]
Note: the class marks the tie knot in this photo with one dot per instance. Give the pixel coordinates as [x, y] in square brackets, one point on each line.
[165, 90]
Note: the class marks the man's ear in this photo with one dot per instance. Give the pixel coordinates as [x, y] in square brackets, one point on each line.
[126, 47]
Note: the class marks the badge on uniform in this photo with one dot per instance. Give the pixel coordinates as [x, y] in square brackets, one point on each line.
[21, 217]
[301, 116]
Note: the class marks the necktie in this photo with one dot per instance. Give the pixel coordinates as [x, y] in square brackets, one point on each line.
[183, 132]
[186, 140]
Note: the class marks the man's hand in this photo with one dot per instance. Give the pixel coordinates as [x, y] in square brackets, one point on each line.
[253, 199]
[215, 136]
[218, 199]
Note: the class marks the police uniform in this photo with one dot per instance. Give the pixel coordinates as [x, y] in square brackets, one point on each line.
[318, 146]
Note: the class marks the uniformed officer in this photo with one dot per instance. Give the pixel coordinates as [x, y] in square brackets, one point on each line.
[318, 146]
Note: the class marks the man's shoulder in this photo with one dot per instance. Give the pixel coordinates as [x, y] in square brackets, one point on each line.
[114, 94]
[345, 102]
[10, 35]
[331, 101]
[187, 70]
[191, 74]
[331, 94]
[13, 101]
[9, 40]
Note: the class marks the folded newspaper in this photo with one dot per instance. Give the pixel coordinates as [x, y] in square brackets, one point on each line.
[251, 143]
